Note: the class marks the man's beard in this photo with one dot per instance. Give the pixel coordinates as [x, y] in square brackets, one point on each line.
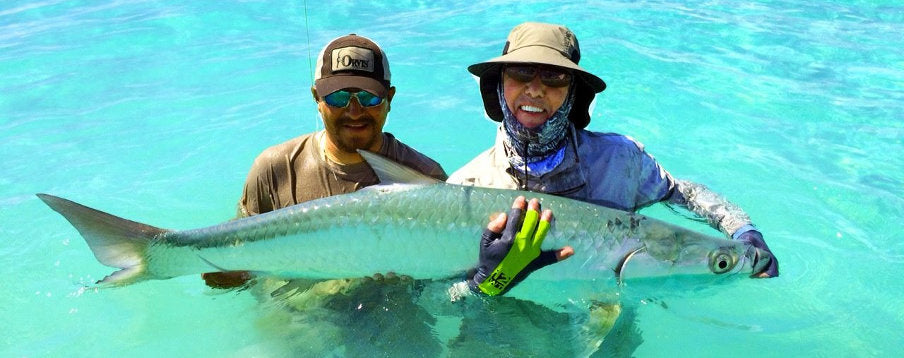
[348, 143]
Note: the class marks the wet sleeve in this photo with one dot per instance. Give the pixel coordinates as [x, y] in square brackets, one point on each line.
[720, 213]
[256, 196]
[248, 204]
[655, 183]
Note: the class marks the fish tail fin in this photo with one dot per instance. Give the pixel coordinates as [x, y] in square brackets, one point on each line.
[116, 242]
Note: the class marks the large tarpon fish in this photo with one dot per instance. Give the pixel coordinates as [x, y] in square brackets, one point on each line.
[410, 224]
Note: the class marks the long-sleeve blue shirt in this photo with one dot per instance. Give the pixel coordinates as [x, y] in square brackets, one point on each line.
[607, 169]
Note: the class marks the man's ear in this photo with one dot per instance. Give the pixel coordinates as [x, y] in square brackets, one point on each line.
[314, 93]
[389, 94]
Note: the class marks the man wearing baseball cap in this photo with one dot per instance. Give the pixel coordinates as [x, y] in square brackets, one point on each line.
[353, 91]
[542, 97]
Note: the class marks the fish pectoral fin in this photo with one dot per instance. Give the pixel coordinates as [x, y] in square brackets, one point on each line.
[600, 320]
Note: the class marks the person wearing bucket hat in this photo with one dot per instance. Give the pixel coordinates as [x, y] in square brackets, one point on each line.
[542, 97]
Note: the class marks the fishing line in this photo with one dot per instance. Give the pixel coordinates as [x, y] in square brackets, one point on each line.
[307, 34]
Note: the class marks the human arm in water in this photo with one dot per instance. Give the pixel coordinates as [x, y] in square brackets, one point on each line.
[728, 218]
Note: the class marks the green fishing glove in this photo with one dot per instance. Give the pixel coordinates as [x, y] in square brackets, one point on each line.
[507, 258]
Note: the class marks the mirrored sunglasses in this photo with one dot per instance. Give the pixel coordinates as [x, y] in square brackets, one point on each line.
[340, 98]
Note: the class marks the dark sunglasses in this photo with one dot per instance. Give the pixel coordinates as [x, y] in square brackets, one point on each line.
[340, 98]
[552, 77]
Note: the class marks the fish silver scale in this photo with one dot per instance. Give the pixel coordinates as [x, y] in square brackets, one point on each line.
[424, 231]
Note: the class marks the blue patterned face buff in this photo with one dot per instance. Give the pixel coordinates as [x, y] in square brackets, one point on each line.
[536, 150]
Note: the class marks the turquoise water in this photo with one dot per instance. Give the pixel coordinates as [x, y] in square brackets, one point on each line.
[154, 110]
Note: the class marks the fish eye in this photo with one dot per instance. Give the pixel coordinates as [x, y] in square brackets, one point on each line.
[722, 261]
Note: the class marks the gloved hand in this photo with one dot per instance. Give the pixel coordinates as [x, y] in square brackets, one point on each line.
[509, 256]
[765, 265]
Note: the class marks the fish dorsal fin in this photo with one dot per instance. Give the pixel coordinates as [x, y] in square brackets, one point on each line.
[391, 172]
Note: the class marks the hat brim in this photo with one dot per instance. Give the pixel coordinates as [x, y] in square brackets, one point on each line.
[539, 55]
[325, 86]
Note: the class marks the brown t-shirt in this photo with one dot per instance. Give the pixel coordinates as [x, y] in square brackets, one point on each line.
[295, 172]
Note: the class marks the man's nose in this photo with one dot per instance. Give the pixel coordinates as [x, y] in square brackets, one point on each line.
[354, 109]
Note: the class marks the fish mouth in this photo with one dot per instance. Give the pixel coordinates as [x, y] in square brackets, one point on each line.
[619, 269]
[760, 260]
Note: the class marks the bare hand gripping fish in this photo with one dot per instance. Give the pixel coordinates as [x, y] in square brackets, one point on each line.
[409, 224]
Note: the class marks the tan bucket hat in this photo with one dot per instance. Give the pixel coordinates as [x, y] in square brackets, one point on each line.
[546, 44]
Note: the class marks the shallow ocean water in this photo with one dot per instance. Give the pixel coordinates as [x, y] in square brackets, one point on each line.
[154, 110]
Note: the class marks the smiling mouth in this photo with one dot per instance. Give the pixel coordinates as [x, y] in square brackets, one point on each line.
[531, 109]
[357, 125]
